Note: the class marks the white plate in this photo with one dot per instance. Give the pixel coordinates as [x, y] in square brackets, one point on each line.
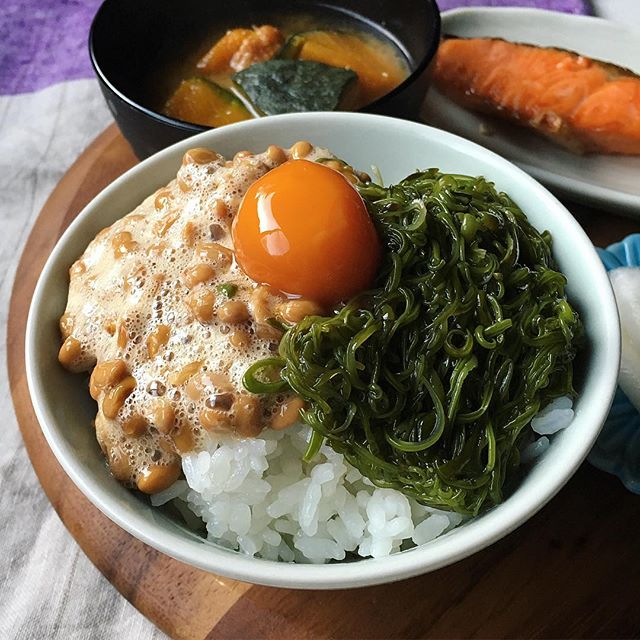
[608, 182]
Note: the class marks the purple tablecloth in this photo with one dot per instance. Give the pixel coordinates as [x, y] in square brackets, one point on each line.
[43, 42]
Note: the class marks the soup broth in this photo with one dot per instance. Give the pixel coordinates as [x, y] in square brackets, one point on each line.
[203, 87]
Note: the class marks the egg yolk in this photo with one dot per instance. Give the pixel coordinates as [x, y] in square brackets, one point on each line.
[303, 229]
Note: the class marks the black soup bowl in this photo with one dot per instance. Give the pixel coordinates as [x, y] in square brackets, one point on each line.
[137, 48]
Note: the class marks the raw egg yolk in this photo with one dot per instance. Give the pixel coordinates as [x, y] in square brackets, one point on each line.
[303, 229]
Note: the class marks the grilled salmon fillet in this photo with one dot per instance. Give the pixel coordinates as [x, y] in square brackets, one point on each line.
[583, 104]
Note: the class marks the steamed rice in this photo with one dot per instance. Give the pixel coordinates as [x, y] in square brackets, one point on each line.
[257, 496]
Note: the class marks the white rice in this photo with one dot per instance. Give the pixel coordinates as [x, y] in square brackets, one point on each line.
[258, 496]
[557, 415]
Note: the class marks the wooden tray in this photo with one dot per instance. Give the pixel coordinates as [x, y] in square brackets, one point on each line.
[573, 570]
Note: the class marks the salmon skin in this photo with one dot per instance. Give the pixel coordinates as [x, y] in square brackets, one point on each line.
[583, 104]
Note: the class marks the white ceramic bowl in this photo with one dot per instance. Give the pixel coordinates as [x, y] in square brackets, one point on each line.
[397, 148]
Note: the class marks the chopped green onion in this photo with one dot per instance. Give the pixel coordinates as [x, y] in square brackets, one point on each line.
[228, 289]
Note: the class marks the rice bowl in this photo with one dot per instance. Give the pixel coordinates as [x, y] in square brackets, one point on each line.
[399, 531]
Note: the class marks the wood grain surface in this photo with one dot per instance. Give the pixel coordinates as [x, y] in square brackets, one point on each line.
[573, 570]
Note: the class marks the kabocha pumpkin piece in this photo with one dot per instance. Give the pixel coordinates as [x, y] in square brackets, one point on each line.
[203, 102]
[218, 58]
[378, 68]
[240, 48]
[261, 45]
[292, 46]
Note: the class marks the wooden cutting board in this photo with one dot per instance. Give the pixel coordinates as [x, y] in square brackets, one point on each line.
[573, 570]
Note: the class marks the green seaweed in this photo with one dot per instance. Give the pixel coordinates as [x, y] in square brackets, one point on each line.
[428, 381]
[285, 86]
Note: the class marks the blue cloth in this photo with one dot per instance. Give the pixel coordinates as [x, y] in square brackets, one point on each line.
[617, 449]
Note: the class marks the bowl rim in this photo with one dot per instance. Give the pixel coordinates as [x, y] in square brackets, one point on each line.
[197, 128]
[490, 527]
